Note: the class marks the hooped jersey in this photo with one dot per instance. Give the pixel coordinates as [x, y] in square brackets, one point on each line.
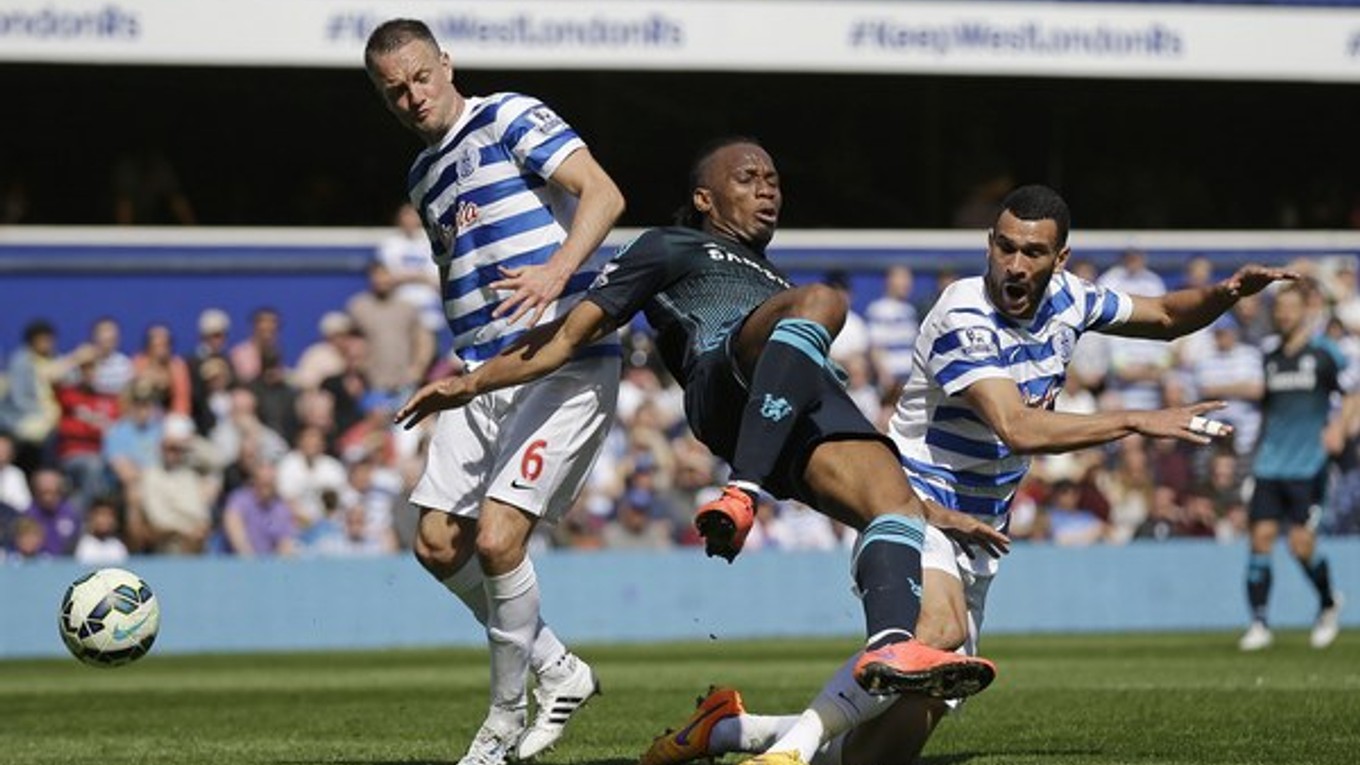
[484, 196]
[951, 454]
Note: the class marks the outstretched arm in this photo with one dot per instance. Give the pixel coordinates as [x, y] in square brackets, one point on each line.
[600, 203]
[536, 353]
[1184, 311]
[1026, 430]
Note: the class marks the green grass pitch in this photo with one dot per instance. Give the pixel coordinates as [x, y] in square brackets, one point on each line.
[1060, 700]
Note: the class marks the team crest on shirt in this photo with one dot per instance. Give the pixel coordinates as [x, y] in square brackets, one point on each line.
[602, 278]
[468, 214]
[468, 162]
[1064, 343]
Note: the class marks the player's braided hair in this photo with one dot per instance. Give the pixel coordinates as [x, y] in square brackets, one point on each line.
[687, 215]
[1037, 202]
[394, 33]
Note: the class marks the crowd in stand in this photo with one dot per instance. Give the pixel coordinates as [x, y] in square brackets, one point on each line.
[229, 451]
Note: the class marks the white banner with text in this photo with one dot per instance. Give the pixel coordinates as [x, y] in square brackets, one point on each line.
[973, 38]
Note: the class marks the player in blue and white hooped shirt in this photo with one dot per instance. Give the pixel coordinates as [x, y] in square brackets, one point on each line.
[988, 365]
[515, 206]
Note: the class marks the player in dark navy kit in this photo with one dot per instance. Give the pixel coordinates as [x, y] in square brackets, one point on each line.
[1302, 372]
[750, 350]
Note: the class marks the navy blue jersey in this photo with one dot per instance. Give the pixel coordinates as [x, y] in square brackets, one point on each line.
[694, 288]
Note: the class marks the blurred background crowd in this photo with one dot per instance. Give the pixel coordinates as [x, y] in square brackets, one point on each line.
[224, 447]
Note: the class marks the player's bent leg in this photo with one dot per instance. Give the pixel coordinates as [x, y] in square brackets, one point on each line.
[861, 479]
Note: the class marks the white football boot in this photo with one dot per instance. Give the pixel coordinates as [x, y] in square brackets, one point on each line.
[1328, 623]
[494, 743]
[1257, 637]
[562, 689]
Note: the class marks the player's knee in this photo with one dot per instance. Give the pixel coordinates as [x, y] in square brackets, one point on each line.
[825, 305]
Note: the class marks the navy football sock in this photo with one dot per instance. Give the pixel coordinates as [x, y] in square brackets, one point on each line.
[1258, 585]
[887, 570]
[784, 383]
[1319, 574]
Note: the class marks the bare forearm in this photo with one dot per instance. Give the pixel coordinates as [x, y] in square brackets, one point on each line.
[600, 206]
[526, 360]
[1039, 431]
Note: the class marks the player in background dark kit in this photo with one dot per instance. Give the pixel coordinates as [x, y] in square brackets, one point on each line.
[1302, 372]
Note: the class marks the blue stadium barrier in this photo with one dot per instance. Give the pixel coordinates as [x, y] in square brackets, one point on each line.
[222, 604]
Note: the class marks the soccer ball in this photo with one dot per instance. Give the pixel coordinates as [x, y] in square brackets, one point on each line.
[109, 617]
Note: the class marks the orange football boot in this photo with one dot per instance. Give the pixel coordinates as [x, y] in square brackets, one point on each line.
[725, 522]
[690, 742]
[911, 666]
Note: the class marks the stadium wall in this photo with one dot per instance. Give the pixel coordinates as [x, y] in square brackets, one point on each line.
[234, 605]
[75, 275]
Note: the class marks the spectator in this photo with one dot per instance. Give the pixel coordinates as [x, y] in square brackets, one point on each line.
[641, 518]
[256, 521]
[1137, 365]
[349, 388]
[30, 539]
[796, 526]
[29, 409]
[378, 492]
[113, 369]
[1128, 486]
[894, 324]
[305, 473]
[1163, 519]
[212, 397]
[54, 512]
[400, 346]
[131, 446]
[275, 397]
[86, 415]
[210, 357]
[243, 426]
[100, 545]
[178, 492]
[164, 370]
[13, 483]
[247, 356]
[325, 357]
[853, 339]
[1132, 276]
[1231, 371]
[1070, 524]
[407, 254]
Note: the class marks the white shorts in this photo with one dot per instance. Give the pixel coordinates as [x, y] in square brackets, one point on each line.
[942, 554]
[530, 446]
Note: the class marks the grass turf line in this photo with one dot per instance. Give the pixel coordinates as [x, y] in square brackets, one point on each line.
[1060, 700]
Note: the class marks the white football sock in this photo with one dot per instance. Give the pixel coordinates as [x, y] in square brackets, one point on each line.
[841, 705]
[748, 733]
[510, 630]
[469, 585]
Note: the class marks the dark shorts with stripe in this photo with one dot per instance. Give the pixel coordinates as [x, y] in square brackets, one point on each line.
[1289, 500]
[715, 400]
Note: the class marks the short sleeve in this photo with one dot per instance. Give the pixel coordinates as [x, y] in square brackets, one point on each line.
[535, 135]
[635, 274]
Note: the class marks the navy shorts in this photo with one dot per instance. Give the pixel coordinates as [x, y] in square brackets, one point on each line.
[1288, 500]
[715, 399]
